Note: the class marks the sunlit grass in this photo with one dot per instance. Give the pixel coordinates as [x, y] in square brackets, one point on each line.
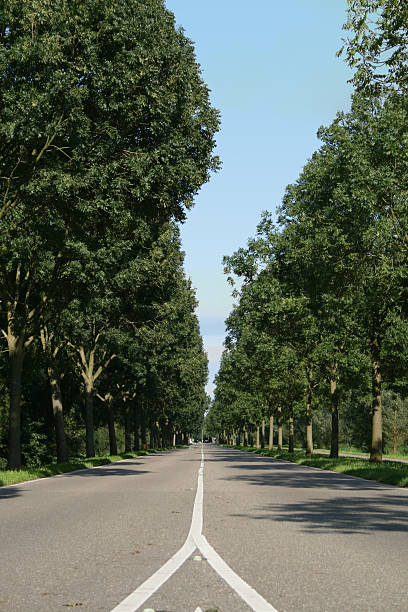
[388, 472]
[357, 451]
[8, 477]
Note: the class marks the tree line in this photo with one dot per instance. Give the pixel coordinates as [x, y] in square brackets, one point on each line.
[320, 325]
[106, 135]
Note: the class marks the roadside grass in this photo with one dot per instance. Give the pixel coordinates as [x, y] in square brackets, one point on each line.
[387, 473]
[8, 477]
[357, 451]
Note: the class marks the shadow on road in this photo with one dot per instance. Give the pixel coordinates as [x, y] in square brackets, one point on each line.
[276, 473]
[366, 506]
[345, 515]
[109, 470]
[104, 470]
[8, 492]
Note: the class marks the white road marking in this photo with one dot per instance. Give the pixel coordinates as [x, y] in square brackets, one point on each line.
[152, 584]
[195, 539]
[247, 593]
[255, 601]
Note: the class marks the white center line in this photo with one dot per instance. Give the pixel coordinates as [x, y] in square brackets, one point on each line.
[195, 539]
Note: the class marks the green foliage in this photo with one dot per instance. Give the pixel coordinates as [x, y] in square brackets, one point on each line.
[377, 49]
[117, 105]
[118, 140]
[322, 305]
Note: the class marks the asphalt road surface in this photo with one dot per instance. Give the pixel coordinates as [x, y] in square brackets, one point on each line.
[238, 532]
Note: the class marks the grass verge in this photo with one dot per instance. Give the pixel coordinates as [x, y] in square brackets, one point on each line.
[357, 451]
[388, 472]
[8, 477]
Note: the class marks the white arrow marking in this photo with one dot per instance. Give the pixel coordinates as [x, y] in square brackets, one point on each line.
[195, 539]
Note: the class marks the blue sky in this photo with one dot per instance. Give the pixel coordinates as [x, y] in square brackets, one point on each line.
[274, 75]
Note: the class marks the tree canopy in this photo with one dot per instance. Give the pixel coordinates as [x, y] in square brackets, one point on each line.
[106, 135]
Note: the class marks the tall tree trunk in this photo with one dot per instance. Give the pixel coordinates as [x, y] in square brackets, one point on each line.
[334, 409]
[89, 421]
[57, 409]
[164, 435]
[153, 436]
[291, 431]
[280, 428]
[113, 446]
[246, 437]
[309, 425]
[136, 439]
[258, 444]
[395, 431]
[174, 437]
[16, 357]
[263, 433]
[376, 431]
[143, 435]
[271, 432]
[128, 428]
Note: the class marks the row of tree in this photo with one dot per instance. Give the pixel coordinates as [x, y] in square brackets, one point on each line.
[106, 135]
[321, 316]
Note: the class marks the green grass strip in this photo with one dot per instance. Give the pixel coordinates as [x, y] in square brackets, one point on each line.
[388, 472]
[8, 477]
[357, 451]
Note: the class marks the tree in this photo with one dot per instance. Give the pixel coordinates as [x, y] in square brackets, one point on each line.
[119, 135]
[378, 48]
[116, 104]
[342, 194]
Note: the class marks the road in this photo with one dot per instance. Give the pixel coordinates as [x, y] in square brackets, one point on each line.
[293, 537]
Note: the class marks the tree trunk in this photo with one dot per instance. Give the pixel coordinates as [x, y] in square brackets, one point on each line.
[246, 437]
[309, 426]
[16, 356]
[280, 428]
[174, 437]
[128, 428]
[89, 423]
[143, 436]
[291, 431]
[334, 409]
[258, 443]
[57, 409]
[136, 439]
[113, 446]
[376, 431]
[395, 431]
[263, 433]
[271, 432]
